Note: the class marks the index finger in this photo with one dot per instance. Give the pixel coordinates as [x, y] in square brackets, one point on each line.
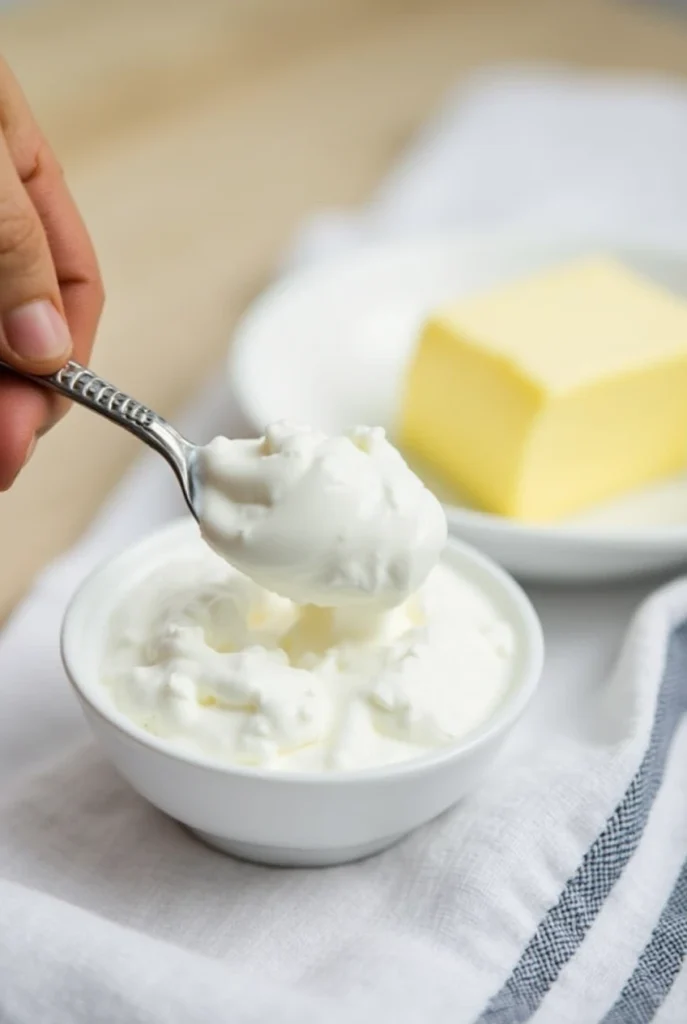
[71, 249]
[26, 410]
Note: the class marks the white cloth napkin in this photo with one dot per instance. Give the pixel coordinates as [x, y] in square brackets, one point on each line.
[558, 892]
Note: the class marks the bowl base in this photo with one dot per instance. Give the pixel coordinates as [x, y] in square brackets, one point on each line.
[295, 857]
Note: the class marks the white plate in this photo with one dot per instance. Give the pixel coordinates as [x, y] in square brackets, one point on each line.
[329, 347]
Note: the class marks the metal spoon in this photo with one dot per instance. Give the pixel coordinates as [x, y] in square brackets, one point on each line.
[85, 387]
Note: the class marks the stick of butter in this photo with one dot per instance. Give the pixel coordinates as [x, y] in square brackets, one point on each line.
[551, 394]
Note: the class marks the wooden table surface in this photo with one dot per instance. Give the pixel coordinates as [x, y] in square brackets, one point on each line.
[196, 135]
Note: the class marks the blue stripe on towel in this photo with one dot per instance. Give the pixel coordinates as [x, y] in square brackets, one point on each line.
[565, 925]
[659, 964]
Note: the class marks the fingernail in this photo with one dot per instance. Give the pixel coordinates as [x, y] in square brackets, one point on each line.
[36, 332]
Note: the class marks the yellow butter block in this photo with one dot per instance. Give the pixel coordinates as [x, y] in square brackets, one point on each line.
[554, 393]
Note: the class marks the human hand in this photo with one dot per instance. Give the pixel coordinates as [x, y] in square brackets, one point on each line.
[51, 295]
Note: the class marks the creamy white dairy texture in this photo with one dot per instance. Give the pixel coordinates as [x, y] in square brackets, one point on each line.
[330, 521]
[215, 664]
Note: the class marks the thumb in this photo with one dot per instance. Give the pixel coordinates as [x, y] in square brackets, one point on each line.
[33, 333]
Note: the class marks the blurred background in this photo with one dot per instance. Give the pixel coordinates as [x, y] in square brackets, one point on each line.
[198, 136]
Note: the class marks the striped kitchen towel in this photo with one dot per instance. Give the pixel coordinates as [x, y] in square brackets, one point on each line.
[619, 924]
[557, 894]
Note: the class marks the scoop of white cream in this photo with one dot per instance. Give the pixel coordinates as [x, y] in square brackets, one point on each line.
[327, 521]
[207, 660]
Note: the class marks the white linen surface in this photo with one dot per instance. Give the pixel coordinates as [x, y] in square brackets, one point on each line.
[558, 892]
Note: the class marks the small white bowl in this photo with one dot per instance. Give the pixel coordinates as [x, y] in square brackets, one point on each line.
[287, 818]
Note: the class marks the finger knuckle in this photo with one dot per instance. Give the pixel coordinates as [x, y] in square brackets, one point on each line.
[40, 161]
[19, 233]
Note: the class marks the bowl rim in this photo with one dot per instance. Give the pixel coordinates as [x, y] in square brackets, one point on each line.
[308, 278]
[92, 693]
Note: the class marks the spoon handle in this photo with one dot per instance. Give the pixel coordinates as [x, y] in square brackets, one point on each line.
[85, 387]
